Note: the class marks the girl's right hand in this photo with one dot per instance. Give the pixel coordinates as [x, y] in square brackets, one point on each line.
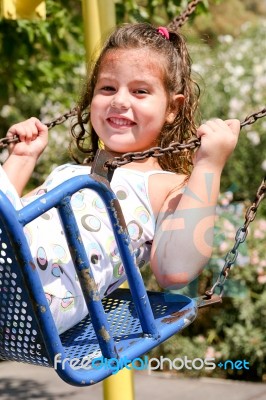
[33, 138]
[218, 140]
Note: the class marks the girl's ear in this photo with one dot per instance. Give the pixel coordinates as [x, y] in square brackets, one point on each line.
[176, 103]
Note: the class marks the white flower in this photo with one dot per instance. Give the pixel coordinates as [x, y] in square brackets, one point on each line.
[258, 69]
[263, 165]
[245, 89]
[258, 97]
[6, 110]
[229, 67]
[239, 71]
[225, 39]
[236, 105]
[254, 137]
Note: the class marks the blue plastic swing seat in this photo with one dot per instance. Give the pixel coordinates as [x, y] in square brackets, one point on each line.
[121, 327]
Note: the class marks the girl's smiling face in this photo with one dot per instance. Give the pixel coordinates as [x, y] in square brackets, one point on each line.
[130, 104]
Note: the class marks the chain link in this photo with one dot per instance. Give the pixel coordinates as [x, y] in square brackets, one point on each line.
[180, 20]
[57, 121]
[240, 237]
[63, 118]
[127, 158]
[253, 117]
[174, 147]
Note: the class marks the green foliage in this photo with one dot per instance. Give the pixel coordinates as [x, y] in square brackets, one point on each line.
[240, 329]
[158, 12]
[153, 11]
[221, 20]
[36, 54]
[41, 69]
[234, 330]
[232, 79]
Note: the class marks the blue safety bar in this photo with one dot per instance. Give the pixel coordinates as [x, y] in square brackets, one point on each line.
[122, 326]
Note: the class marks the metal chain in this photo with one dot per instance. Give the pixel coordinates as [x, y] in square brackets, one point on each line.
[57, 121]
[179, 21]
[63, 118]
[240, 237]
[253, 117]
[175, 147]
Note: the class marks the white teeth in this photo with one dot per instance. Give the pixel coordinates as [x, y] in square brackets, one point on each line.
[121, 121]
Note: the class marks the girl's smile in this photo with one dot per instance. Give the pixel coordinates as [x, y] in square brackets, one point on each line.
[118, 122]
[130, 104]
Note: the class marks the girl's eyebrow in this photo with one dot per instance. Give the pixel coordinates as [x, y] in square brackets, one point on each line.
[109, 77]
[142, 81]
[102, 78]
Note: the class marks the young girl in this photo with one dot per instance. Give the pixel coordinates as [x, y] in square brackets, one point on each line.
[139, 95]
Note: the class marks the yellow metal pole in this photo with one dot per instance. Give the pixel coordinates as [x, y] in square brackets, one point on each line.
[92, 27]
[121, 385]
[107, 16]
[99, 19]
[23, 9]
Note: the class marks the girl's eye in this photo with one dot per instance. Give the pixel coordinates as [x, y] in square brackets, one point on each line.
[108, 88]
[141, 91]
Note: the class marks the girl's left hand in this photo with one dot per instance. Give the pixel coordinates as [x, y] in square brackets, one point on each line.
[33, 138]
[218, 140]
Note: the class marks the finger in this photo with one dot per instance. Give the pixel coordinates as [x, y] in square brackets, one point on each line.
[204, 129]
[31, 131]
[17, 130]
[35, 128]
[27, 130]
[216, 123]
[38, 123]
[40, 126]
[220, 122]
[234, 125]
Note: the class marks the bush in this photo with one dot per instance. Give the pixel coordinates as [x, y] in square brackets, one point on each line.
[233, 83]
[234, 330]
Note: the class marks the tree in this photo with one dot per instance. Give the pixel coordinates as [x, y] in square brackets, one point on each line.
[37, 54]
[42, 64]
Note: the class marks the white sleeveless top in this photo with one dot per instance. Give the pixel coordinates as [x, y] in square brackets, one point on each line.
[50, 251]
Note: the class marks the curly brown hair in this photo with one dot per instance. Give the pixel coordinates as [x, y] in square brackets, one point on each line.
[177, 80]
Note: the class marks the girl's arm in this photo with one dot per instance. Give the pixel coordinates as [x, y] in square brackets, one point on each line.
[23, 155]
[184, 233]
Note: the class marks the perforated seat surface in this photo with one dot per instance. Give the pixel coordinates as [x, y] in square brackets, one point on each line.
[20, 338]
[171, 312]
[127, 323]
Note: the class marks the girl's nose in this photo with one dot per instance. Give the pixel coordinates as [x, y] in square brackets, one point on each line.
[120, 101]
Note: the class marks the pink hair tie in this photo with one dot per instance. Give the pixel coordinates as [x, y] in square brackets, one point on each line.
[163, 31]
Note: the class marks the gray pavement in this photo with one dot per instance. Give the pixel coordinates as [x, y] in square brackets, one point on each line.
[25, 382]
